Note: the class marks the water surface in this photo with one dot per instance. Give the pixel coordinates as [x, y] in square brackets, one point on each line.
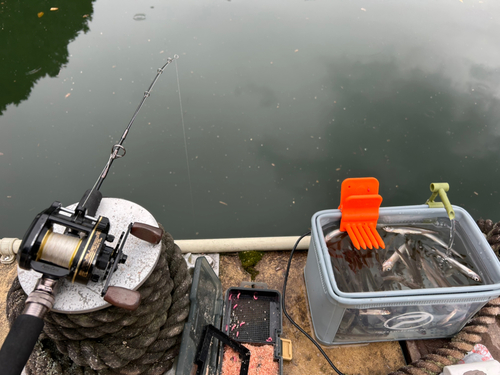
[281, 101]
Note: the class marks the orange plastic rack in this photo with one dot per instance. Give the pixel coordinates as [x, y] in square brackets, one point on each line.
[360, 203]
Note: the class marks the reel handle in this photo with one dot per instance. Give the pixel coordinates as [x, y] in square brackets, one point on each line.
[122, 297]
[19, 344]
[147, 233]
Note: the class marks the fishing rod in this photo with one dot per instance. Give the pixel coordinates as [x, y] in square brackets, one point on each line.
[80, 254]
[115, 151]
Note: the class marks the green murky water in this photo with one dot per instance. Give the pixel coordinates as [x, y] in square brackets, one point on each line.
[282, 101]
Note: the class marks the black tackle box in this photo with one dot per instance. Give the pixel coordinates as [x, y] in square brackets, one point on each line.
[258, 308]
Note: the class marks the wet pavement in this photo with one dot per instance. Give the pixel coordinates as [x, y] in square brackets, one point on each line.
[374, 358]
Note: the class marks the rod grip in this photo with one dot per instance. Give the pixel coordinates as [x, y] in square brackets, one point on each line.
[19, 344]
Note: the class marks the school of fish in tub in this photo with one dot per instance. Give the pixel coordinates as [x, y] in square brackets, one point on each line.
[416, 256]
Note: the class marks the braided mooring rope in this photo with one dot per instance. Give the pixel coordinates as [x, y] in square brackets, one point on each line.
[464, 341]
[113, 340]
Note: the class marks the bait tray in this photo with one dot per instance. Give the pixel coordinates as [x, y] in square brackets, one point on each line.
[252, 303]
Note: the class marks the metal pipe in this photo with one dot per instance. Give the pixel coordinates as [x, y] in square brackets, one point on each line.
[228, 245]
[8, 249]
[216, 245]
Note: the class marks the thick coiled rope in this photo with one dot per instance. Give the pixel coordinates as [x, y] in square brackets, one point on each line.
[492, 232]
[464, 341]
[113, 340]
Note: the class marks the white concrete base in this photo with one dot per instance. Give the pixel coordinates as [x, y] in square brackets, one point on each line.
[213, 259]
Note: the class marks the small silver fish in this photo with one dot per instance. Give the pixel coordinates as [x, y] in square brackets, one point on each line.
[424, 232]
[431, 272]
[334, 233]
[393, 259]
[442, 243]
[463, 269]
[402, 281]
[407, 230]
[448, 317]
[374, 312]
[428, 273]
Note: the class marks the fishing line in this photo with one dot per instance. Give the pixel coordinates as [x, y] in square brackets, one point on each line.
[185, 141]
[58, 248]
[290, 318]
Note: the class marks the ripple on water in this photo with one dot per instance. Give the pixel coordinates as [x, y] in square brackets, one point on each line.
[140, 17]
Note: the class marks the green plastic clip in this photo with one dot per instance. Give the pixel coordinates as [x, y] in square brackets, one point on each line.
[441, 188]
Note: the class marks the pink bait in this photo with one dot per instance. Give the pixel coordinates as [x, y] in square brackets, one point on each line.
[237, 334]
[255, 297]
[235, 306]
[242, 323]
[226, 327]
[230, 297]
[238, 296]
[269, 339]
[234, 326]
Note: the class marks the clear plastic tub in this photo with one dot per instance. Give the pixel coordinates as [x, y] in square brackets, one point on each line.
[346, 317]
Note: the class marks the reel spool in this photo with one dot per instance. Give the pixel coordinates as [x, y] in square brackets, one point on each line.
[81, 251]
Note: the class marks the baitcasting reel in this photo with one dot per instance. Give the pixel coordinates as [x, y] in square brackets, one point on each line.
[80, 253]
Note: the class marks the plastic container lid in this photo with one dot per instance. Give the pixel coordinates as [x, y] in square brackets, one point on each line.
[206, 308]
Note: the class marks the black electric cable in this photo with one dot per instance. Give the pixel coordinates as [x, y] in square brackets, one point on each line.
[290, 318]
